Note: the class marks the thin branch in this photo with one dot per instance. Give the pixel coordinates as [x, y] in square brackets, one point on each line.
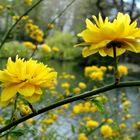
[115, 66]
[71, 99]
[136, 17]
[116, 4]
[133, 5]
[122, 6]
[101, 9]
[14, 25]
[60, 14]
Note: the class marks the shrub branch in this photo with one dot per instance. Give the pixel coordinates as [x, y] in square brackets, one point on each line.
[14, 25]
[71, 99]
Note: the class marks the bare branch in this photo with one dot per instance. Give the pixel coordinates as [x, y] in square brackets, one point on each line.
[101, 9]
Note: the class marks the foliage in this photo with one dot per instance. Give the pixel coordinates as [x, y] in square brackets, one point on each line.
[65, 43]
[12, 48]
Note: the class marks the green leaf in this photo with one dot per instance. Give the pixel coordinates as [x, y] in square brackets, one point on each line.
[11, 13]
[99, 104]
[21, 131]
[17, 133]
[73, 128]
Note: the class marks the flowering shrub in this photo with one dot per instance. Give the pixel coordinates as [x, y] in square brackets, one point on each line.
[72, 103]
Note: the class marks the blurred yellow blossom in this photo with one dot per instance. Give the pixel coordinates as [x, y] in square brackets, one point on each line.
[55, 49]
[97, 76]
[82, 136]
[24, 110]
[48, 121]
[34, 31]
[29, 45]
[106, 131]
[46, 48]
[76, 90]
[103, 68]
[122, 70]
[28, 2]
[109, 120]
[126, 103]
[122, 125]
[1, 8]
[91, 124]
[82, 85]
[137, 125]
[50, 26]
[65, 85]
[110, 68]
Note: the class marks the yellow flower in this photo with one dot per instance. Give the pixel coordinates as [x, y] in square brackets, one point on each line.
[97, 76]
[30, 121]
[126, 103]
[91, 124]
[137, 125]
[82, 85]
[50, 26]
[24, 110]
[15, 18]
[48, 121]
[55, 49]
[106, 131]
[76, 90]
[122, 70]
[29, 45]
[65, 85]
[82, 136]
[1, 8]
[110, 68]
[28, 2]
[103, 68]
[104, 35]
[109, 120]
[122, 125]
[77, 109]
[27, 78]
[46, 48]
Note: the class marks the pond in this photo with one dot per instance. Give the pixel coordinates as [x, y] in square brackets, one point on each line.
[64, 123]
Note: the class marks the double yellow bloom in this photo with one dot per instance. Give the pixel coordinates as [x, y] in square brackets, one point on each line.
[104, 35]
[26, 78]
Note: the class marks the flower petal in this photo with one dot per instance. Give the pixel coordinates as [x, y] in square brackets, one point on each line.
[27, 90]
[38, 90]
[87, 51]
[33, 98]
[9, 92]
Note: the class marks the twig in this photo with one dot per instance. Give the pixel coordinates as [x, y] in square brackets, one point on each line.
[115, 66]
[116, 4]
[71, 99]
[122, 6]
[133, 5]
[60, 14]
[101, 9]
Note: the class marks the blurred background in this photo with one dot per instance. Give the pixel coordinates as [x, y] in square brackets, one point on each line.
[68, 19]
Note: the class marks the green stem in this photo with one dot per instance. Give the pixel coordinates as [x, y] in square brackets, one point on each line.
[115, 66]
[13, 116]
[71, 99]
[13, 26]
[14, 109]
[31, 106]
